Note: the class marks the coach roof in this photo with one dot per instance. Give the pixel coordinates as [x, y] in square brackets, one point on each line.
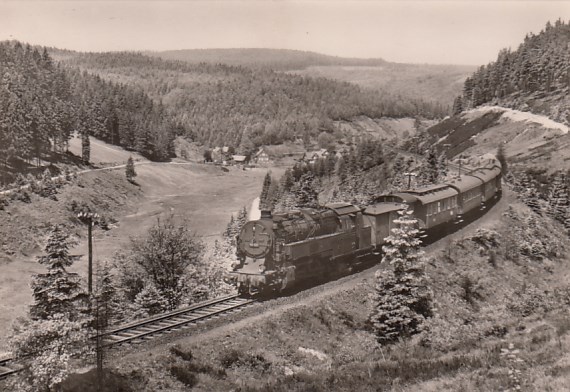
[465, 183]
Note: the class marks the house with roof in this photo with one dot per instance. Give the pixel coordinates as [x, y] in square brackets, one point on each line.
[240, 160]
[315, 156]
[262, 157]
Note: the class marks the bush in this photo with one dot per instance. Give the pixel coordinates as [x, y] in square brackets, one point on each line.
[3, 202]
[20, 195]
[184, 375]
[185, 355]
[237, 358]
[470, 290]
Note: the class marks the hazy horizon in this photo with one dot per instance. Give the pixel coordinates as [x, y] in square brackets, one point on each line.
[433, 32]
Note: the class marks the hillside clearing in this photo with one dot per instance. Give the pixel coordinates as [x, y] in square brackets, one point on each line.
[203, 194]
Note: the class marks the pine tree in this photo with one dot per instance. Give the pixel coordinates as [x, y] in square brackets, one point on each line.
[47, 187]
[557, 198]
[130, 172]
[150, 301]
[85, 148]
[402, 296]
[457, 105]
[264, 203]
[306, 195]
[57, 328]
[241, 218]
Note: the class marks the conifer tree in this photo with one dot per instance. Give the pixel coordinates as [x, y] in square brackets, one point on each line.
[150, 301]
[47, 187]
[85, 148]
[306, 195]
[264, 197]
[402, 296]
[557, 198]
[130, 172]
[457, 105]
[58, 325]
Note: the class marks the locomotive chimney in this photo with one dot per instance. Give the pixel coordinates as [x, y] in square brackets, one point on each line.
[266, 214]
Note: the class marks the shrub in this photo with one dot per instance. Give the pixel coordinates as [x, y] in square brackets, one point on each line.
[470, 290]
[3, 202]
[20, 194]
[237, 358]
[185, 355]
[184, 375]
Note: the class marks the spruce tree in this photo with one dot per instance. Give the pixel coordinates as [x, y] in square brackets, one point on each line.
[85, 148]
[58, 325]
[557, 198]
[150, 301]
[130, 172]
[306, 195]
[264, 197]
[402, 296]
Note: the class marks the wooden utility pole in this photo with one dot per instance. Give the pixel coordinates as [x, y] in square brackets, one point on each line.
[89, 218]
[410, 175]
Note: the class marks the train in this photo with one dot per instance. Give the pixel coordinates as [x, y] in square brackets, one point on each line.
[283, 250]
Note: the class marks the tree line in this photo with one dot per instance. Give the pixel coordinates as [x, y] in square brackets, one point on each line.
[217, 104]
[42, 104]
[539, 65]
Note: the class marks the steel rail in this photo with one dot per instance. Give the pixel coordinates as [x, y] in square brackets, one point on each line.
[159, 324]
[5, 370]
[173, 320]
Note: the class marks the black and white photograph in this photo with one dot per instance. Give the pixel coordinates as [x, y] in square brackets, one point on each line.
[284, 196]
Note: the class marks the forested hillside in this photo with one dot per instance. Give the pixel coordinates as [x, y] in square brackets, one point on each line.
[535, 77]
[43, 103]
[219, 104]
[276, 59]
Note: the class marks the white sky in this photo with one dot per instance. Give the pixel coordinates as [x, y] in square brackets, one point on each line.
[452, 32]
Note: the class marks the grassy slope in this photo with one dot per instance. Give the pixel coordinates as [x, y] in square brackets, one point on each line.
[323, 344]
[526, 144]
[203, 194]
[104, 153]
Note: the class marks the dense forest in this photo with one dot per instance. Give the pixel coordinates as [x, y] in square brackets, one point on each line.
[539, 67]
[276, 59]
[220, 104]
[42, 104]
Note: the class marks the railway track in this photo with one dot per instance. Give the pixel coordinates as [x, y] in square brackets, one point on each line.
[182, 318]
[8, 366]
[146, 329]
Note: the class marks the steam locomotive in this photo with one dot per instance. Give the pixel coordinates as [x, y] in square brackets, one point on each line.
[282, 250]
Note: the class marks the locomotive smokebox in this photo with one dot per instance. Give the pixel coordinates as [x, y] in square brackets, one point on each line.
[266, 214]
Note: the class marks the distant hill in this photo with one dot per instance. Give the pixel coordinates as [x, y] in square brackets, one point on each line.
[276, 59]
[429, 82]
[220, 104]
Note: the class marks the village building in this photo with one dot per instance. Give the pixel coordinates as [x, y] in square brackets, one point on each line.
[261, 157]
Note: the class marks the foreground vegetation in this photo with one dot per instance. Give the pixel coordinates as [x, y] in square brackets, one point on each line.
[499, 323]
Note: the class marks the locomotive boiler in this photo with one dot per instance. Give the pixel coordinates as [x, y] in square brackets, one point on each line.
[276, 250]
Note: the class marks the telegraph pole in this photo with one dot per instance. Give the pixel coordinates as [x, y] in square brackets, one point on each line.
[410, 175]
[89, 218]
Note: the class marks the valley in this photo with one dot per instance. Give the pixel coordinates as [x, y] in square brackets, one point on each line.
[203, 195]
